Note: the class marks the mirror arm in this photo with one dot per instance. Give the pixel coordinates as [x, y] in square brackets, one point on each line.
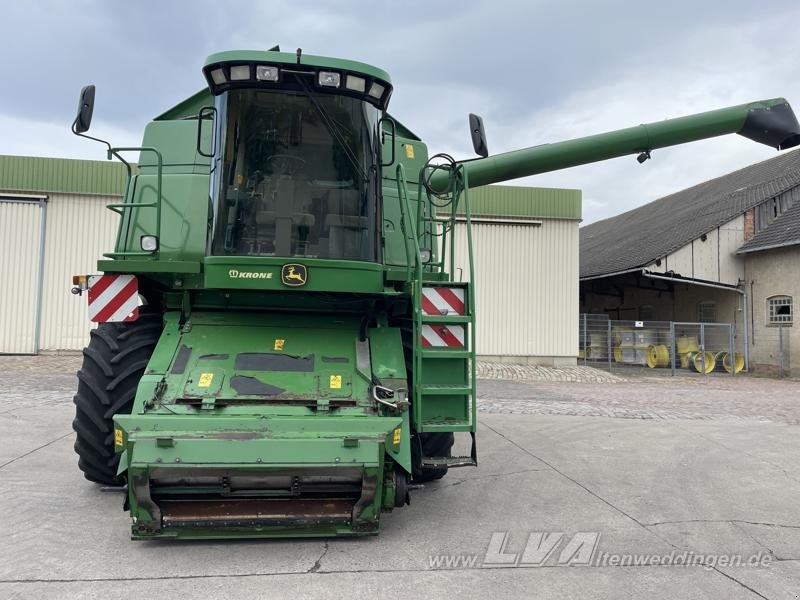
[88, 137]
[112, 151]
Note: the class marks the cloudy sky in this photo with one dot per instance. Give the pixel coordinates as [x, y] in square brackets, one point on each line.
[537, 70]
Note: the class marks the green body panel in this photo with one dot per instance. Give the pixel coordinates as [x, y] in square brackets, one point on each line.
[386, 351]
[189, 413]
[256, 447]
[286, 403]
[184, 224]
[176, 140]
[189, 107]
[149, 266]
[264, 273]
[412, 154]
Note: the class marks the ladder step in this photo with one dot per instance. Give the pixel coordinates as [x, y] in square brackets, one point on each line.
[455, 284]
[446, 319]
[451, 462]
[444, 390]
[445, 353]
[439, 427]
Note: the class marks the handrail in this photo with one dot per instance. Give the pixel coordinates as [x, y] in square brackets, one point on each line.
[121, 207]
[470, 295]
[416, 284]
[460, 193]
[405, 212]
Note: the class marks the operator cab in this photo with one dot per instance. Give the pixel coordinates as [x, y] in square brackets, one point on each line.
[296, 166]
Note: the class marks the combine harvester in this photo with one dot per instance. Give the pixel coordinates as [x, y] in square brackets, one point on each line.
[283, 349]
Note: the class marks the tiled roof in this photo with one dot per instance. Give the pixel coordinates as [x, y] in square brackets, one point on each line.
[783, 231]
[640, 236]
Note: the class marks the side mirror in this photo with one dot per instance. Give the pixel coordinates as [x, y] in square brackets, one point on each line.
[85, 108]
[478, 135]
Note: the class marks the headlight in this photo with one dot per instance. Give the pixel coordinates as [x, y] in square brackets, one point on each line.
[218, 76]
[376, 91]
[425, 255]
[329, 79]
[149, 243]
[240, 73]
[357, 84]
[266, 73]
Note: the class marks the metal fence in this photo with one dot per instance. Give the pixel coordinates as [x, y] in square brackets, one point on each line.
[665, 347]
[770, 351]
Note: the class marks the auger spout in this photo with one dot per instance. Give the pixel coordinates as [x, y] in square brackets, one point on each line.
[770, 122]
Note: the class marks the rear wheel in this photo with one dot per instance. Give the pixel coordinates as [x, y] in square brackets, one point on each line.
[113, 363]
[429, 445]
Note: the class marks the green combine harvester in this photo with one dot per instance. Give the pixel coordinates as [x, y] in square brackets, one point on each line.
[283, 348]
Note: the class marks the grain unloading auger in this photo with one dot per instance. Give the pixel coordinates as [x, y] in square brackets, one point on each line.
[283, 349]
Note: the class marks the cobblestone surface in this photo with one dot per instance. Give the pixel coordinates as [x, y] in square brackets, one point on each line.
[505, 388]
[509, 372]
[709, 398]
[52, 377]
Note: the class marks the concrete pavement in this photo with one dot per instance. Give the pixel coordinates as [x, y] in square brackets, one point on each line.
[645, 486]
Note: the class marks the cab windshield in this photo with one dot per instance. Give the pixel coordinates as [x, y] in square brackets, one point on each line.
[297, 177]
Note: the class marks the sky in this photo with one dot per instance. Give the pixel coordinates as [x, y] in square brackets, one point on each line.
[537, 71]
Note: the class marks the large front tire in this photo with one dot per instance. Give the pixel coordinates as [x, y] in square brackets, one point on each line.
[113, 363]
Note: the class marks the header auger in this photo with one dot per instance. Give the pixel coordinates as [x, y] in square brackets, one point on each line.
[282, 348]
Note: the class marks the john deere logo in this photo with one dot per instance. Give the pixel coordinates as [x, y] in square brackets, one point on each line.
[294, 274]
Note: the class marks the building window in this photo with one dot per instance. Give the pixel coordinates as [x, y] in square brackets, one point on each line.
[779, 310]
[707, 312]
[768, 211]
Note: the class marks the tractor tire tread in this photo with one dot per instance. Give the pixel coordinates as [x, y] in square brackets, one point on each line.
[113, 364]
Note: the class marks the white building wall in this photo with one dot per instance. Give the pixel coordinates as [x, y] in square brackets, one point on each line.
[79, 229]
[712, 259]
[20, 224]
[526, 291]
[731, 237]
[773, 273]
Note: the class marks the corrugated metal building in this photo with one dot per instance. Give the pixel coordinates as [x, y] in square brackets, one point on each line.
[526, 265]
[53, 224]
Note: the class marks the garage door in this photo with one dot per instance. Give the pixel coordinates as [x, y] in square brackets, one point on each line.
[20, 237]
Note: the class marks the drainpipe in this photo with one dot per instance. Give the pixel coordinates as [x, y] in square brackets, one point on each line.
[736, 289]
[40, 279]
[746, 321]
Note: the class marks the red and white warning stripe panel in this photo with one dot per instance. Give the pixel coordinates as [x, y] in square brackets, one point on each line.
[443, 336]
[113, 298]
[441, 301]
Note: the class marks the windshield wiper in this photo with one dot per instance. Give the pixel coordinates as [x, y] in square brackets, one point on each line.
[332, 128]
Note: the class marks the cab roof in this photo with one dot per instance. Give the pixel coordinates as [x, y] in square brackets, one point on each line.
[290, 58]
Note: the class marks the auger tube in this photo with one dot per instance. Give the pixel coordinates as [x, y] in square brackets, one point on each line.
[770, 122]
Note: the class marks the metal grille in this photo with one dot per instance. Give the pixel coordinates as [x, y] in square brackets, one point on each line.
[770, 352]
[664, 347]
